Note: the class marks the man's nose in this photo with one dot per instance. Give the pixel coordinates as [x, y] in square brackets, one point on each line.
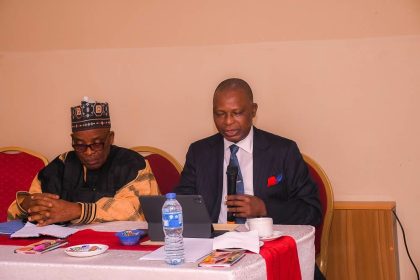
[89, 151]
[229, 120]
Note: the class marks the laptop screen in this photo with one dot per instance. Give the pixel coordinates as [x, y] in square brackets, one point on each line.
[197, 222]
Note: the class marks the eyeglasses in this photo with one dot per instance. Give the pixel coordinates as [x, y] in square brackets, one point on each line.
[81, 148]
[96, 147]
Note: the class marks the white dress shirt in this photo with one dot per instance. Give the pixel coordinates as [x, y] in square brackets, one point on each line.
[244, 155]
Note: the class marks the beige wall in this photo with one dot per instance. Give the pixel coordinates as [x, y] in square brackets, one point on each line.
[339, 77]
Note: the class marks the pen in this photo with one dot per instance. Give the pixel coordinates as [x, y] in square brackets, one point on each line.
[40, 247]
[45, 245]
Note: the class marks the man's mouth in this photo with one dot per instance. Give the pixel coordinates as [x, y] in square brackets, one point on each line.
[230, 133]
[92, 162]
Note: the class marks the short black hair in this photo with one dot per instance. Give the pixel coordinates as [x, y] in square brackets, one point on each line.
[236, 84]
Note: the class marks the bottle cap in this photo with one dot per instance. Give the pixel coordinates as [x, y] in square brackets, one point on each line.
[171, 195]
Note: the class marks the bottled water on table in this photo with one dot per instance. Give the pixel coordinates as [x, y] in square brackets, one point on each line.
[173, 227]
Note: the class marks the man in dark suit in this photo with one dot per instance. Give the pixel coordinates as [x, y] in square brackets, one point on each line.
[273, 176]
[276, 181]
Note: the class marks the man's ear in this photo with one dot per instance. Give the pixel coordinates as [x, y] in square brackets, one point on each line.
[254, 109]
[111, 137]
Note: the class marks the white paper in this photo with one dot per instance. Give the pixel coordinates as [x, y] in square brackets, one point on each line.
[244, 240]
[242, 228]
[31, 230]
[113, 226]
[194, 250]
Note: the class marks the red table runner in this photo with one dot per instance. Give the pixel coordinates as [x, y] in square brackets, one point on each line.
[281, 259]
[280, 255]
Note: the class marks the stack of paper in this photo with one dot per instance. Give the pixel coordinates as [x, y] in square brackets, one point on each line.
[222, 258]
[42, 246]
[242, 240]
[31, 230]
[194, 250]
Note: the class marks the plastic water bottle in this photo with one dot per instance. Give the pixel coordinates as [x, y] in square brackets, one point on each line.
[173, 227]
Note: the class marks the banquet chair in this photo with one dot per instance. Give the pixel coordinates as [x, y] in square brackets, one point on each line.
[18, 167]
[165, 167]
[327, 200]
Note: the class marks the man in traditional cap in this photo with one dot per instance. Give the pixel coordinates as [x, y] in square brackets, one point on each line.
[97, 182]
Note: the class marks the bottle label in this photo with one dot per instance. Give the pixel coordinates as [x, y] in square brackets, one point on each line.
[172, 220]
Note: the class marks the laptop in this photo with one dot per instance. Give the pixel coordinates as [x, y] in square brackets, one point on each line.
[197, 222]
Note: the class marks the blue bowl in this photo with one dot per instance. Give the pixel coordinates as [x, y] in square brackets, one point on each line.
[130, 237]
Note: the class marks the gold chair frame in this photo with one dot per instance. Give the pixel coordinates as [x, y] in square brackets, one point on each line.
[20, 149]
[322, 258]
[146, 150]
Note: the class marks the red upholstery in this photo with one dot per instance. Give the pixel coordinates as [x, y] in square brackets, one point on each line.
[17, 171]
[323, 198]
[166, 174]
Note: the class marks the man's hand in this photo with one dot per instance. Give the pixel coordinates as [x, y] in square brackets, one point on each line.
[46, 208]
[38, 202]
[246, 206]
[61, 211]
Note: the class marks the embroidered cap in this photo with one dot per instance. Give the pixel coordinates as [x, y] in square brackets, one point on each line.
[90, 115]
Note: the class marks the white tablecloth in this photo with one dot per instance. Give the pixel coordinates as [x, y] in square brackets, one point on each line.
[117, 264]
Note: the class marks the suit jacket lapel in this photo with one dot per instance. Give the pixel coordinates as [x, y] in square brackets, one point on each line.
[217, 148]
[260, 163]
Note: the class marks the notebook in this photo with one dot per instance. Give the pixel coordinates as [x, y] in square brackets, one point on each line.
[197, 222]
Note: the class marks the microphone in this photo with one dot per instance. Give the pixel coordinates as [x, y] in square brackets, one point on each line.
[232, 174]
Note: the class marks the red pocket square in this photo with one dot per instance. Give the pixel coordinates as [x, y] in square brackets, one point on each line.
[271, 181]
[274, 180]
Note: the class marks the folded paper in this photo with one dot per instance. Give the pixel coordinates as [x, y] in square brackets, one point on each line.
[242, 240]
[31, 230]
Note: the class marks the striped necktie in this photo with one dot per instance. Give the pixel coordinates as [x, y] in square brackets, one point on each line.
[239, 181]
